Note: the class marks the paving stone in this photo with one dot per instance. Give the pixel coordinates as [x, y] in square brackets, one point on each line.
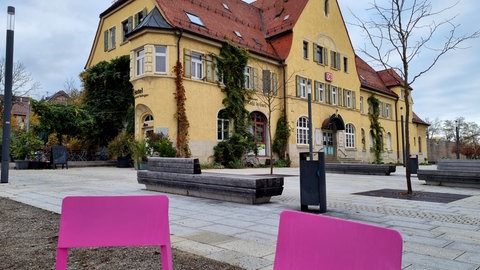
[428, 262]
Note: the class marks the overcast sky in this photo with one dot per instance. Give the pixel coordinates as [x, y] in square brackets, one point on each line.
[53, 40]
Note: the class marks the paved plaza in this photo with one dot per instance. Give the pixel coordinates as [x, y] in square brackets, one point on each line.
[436, 235]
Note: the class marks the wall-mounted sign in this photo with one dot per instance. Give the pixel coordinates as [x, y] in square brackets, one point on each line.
[328, 76]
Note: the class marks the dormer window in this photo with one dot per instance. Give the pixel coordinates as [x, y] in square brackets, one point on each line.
[195, 19]
[238, 34]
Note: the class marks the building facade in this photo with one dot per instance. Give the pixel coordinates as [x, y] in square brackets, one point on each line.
[295, 48]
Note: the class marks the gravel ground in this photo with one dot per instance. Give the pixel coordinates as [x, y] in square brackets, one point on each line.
[28, 240]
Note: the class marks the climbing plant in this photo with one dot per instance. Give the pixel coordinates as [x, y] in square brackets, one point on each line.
[231, 63]
[375, 128]
[183, 149]
[280, 143]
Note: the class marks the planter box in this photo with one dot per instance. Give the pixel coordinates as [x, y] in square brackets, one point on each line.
[21, 164]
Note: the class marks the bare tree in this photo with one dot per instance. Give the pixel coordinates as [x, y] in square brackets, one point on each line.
[23, 83]
[402, 30]
[435, 128]
[71, 89]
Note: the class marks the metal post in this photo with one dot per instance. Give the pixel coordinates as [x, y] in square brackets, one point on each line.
[457, 139]
[7, 109]
[310, 143]
[403, 136]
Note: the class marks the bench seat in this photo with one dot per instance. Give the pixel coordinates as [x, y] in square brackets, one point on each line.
[248, 189]
[360, 168]
[459, 173]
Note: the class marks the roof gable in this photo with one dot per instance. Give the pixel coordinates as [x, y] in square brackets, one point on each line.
[371, 79]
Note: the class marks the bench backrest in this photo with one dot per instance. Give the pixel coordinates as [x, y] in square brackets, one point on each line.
[174, 165]
[308, 241]
[458, 165]
[101, 221]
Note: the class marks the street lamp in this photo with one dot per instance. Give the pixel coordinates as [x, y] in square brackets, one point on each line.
[403, 136]
[7, 107]
[457, 139]
[310, 144]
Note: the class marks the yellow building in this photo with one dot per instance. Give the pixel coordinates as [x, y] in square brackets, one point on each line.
[296, 47]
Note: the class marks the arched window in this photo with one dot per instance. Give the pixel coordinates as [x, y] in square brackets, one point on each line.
[302, 130]
[223, 126]
[327, 7]
[147, 120]
[349, 136]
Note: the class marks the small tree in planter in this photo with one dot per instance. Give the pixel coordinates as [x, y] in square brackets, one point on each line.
[24, 146]
[121, 149]
[161, 145]
[140, 152]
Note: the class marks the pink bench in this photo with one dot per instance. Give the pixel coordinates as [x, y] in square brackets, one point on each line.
[112, 221]
[308, 241]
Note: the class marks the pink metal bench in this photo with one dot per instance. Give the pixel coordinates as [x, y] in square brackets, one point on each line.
[113, 221]
[308, 241]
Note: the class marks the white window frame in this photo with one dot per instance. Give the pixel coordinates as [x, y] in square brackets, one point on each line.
[140, 62]
[302, 130]
[161, 57]
[334, 95]
[197, 65]
[349, 136]
[348, 98]
[303, 87]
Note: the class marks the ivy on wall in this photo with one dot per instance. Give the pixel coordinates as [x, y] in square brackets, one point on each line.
[375, 128]
[183, 149]
[231, 63]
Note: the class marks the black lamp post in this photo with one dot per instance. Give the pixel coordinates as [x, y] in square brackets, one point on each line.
[403, 135]
[310, 143]
[457, 139]
[7, 107]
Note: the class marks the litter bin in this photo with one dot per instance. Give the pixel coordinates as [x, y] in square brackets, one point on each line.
[414, 165]
[312, 182]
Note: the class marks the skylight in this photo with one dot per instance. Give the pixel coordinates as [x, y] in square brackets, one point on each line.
[226, 6]
[238, 34]
[257, 41]
[286, 17]
[194, 19]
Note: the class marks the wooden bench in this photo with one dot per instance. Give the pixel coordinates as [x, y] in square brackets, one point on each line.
[360, 168]
[183, 176]
[459, 173]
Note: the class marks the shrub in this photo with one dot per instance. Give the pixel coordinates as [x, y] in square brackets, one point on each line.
[161, 145]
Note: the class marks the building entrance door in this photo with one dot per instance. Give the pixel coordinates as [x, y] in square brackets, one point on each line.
[330, 144]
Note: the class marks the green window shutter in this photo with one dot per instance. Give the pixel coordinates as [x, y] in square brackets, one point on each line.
[105, 40]
[144, 13]
[114, 39]
[255, 79]
[325, 56]
[187, 62]
[266, 81]
[328, 95]
[274, 83]
[354, 100]
[332, 57]
[315, 54]
[298, 85]
[340, 96]
[210, 68]
[314, 90]
[215, 71]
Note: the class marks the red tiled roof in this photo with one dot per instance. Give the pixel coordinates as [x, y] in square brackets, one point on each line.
[390, 77]
[219, 23]
[418, 120]
[371, 79]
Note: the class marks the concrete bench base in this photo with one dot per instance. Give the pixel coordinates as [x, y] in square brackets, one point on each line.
[450, 178]
[245, 189]
[457, 173]
[354, 168]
